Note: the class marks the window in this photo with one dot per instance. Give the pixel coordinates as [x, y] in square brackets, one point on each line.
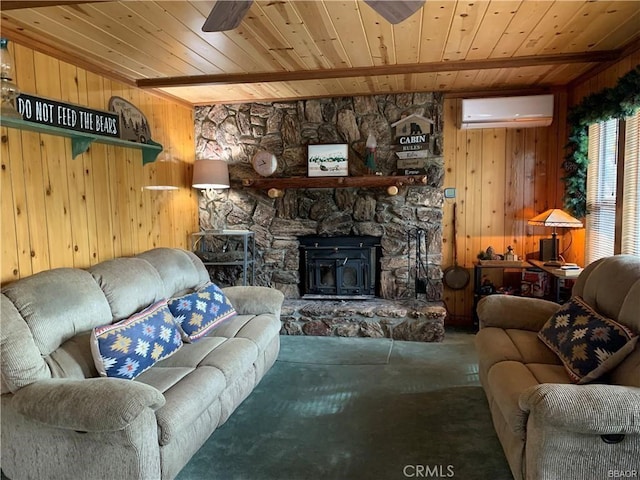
[613, 189]
[601, 189]
[631, 189]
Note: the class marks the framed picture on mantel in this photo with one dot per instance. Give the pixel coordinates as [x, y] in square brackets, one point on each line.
[330, 160]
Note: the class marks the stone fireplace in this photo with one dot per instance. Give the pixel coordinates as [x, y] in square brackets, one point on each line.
[339, 268]
[283, 225]
[280, 224]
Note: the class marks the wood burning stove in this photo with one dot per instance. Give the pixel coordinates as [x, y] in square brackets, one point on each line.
[339, 267]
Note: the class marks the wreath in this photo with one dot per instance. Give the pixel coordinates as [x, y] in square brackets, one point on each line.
[620, 101]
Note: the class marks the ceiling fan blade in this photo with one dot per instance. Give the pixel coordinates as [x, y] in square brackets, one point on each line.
[395, 11]
[226, 15]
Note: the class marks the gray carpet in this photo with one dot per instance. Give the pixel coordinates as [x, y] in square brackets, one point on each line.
[353, 408]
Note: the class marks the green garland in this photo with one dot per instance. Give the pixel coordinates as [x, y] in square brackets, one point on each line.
[621, 101]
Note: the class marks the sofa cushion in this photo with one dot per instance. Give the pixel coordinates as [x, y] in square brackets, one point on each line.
[58, 304]
[628, 315]
[627, 372]
[260, 329]
[179, 272]
[73, 359]
[234, 358]
[128, 348]
[587, 343]
[188, 393]
[192, 354]
[497, 344]
[611, 285]
[195, 377]
[200, 312]
[130, 284]
[506, 381]
[545, 373]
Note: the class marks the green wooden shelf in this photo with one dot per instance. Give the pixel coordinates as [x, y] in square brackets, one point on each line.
[81, 141]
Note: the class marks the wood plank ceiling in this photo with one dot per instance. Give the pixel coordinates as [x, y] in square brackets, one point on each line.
[304, 49]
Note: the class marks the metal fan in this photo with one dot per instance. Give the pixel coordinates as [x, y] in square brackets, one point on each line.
[227, 15]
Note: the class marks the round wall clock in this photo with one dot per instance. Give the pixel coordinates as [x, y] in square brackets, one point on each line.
[264, 163]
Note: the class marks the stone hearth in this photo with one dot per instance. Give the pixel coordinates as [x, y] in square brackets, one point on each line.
[408, 319]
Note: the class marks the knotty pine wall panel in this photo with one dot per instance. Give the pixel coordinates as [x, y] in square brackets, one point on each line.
[64, 212]
[502, 177]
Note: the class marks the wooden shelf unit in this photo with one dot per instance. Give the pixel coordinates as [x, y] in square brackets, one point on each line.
[248, 261]
[80, 141]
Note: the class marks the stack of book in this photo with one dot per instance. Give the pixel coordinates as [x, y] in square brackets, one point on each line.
[568, 270]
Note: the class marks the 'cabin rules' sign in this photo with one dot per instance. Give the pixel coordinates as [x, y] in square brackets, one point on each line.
[68, 116]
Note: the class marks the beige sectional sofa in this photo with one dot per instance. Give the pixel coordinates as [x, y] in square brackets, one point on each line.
[550, 427]
[61, 420]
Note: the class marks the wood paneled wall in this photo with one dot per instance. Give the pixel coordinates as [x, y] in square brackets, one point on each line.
[64, 212]
[502, 177]
[57, 211]
[605, 79]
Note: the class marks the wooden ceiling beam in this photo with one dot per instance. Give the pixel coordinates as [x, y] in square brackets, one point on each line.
[450, 66]
[628, 49]
[7, 5]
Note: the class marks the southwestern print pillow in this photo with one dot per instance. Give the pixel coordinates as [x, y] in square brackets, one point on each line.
[588, 344]
[131, 346]
[200, 312]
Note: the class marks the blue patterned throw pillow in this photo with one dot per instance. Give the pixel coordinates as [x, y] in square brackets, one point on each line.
[129, 347]
[200, 312]
[588, 344]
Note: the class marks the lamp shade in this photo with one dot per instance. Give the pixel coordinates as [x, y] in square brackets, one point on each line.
[210, 174]
[554, 217]
[162, 173]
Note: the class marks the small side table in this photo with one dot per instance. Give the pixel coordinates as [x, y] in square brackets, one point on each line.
[496, 265]
[558, 279]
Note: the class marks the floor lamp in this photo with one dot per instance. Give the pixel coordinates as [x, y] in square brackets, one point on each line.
[554, 218]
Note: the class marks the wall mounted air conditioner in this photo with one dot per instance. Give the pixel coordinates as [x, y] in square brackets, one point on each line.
[509, 112]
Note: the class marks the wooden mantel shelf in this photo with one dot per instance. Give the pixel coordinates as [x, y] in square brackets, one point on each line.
[334, 182]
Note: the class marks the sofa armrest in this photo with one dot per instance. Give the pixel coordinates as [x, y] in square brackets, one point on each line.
[508, 311]
[598, 409]
[87, 405]
[252, 300]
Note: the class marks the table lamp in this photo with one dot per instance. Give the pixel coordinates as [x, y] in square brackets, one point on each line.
[554, 218]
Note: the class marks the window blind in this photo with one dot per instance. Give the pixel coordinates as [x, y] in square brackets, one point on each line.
[601, 190]
[631, 194]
